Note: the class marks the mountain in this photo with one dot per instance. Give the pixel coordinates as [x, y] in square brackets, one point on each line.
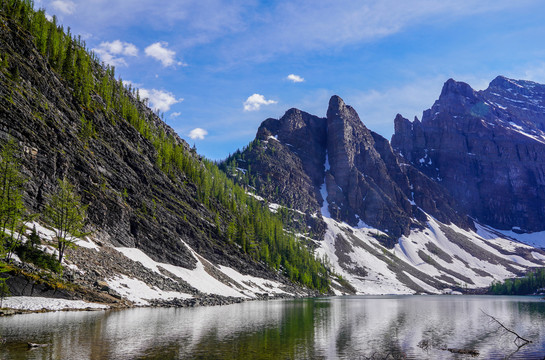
[487, 148]
[384, 214]
[301, 160]
[312, 205]
[166, 224]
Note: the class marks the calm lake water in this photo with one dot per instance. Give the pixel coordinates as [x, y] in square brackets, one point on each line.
[358, 327]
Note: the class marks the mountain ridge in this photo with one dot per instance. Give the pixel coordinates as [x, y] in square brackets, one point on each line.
[380, 206]
[484, 137]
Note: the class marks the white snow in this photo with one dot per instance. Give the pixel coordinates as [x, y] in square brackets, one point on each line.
[139, 292]
[39, 303]
[536, 239]
[205, 278]
[422, 284]
[87, 243]
[381, 279]
[323, 191]
[257, 197]
[252, 283]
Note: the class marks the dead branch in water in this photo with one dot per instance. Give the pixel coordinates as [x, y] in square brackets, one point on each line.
[518, 337]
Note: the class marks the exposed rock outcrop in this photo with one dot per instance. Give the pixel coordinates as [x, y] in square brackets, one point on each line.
[487, 148]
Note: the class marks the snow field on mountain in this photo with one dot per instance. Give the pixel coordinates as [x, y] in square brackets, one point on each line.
[206, 277]
[429, 251]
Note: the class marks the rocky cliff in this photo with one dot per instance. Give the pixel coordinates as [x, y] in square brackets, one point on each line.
[487, 148]
[336, 166]
[383, 215]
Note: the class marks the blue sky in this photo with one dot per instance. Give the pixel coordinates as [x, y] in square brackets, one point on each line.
[218, 68]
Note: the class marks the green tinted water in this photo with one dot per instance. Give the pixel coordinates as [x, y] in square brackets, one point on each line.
[325, 328]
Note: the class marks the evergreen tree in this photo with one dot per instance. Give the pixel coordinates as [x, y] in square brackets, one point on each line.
[66, 214]
[12, 209]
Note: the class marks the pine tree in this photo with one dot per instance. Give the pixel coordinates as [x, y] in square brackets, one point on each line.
[66, 214]
[12, 209]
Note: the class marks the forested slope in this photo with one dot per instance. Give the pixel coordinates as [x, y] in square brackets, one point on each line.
[145, 187]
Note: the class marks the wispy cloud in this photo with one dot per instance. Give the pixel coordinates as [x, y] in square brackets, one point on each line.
[334, 24]
[255, 101]
[159, 52]
[534, 72]
[64, 6]
[113, 53]
[175, 114]
[159, 99]
[295, 78]
[198, 134]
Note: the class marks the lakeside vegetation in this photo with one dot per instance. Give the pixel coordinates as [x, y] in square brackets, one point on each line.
[247, 224]
[527, 285]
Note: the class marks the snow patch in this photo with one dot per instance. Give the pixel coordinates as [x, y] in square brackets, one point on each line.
[323, 191]
[204, 278]
[39, 303]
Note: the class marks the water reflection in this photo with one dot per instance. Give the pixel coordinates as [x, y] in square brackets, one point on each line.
[328, 328]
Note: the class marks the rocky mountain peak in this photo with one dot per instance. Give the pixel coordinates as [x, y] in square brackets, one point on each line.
[336, 106]
[456, 88]
[360, 180]
[456, 97]
[486, 148]
[504, 83]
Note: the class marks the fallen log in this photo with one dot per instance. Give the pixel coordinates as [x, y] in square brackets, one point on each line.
[518, 337]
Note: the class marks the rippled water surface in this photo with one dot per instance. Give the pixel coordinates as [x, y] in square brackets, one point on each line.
[413, 327]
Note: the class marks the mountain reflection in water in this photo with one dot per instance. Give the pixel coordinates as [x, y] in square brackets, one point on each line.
[358, 327]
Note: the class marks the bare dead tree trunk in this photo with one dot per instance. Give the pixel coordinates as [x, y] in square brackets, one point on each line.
[519, 338]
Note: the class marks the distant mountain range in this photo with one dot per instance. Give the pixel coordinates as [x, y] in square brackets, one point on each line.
[431, 204]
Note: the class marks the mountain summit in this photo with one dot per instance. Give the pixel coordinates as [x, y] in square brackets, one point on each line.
[413, 214]
[337, 166]
[487, 148]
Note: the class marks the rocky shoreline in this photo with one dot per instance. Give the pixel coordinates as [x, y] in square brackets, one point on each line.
[206, 300]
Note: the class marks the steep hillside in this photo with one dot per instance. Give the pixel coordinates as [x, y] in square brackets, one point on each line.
[151, 199]
[384, 224]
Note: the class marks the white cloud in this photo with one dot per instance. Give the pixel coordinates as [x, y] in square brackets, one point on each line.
[254, 102]
[535, 72]
[64, 6]
[295, 78]
[113, 53]
[159, 99]
[281, 29]
[159, 52]
[175, 114]
[198, 134]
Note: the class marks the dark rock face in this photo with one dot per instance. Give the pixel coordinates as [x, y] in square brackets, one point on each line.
[363, 187]
[299, 157]
[292, 155]
[487, 148]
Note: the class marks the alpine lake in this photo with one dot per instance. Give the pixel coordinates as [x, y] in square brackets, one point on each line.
[353, 327]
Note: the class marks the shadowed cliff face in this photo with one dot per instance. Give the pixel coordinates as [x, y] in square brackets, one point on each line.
[487, 148]
[362, 180]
